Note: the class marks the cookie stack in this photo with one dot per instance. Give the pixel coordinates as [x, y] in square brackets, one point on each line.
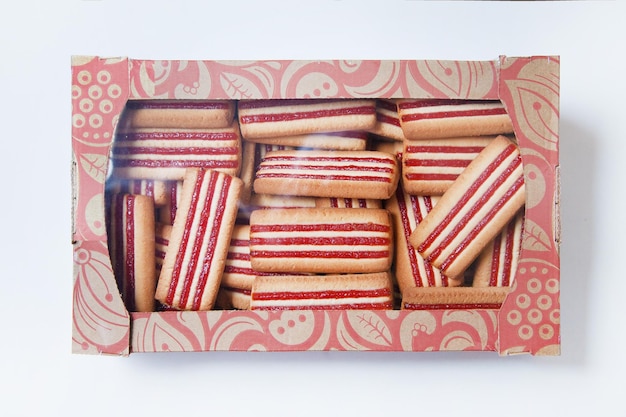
[314, 204]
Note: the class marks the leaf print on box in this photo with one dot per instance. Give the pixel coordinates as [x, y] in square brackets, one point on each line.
[94, 165]
[535, 238]
[370, 326]
[534, 96]
[100, 320]
[167, 332]
[238, 87]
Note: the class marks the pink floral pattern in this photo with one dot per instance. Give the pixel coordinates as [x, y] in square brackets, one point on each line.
[315, 330]
[529, 320]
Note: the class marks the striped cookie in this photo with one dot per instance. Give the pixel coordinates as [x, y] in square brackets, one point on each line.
[321, 240]
[193, 266]
[437, 298]
[345, 174]
[180, 114]
[272, 118]
[474, 210]
[444, 118]
[165, 153]
[323, 292]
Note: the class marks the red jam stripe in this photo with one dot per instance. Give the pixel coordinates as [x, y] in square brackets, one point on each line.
[333, 159]
[150, 163]
[452, 163]
[495, 261]
[173, 187]
[452, 114]
[295, 167]
[508, 258]
[353, 306]
[321, 254]
[335, 227]
[471, 191]
[388, 119]
[321, 241]
[238, 256]
[416, 104]
[444, 149]
[130, 253]
[431, 177]
[360, 178]
[320, 295]
[181, 150]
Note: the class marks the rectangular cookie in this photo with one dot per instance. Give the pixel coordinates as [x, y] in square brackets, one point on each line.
[319, 173]
[193, 266]
[474, 210]
[445, 118]
[132, 248]
[272, 118]
[323, 292]
[497, 263]
[180, 114]
[321, 240]
[411, 270]
[429, 167]
[165, 153]
[438, 298]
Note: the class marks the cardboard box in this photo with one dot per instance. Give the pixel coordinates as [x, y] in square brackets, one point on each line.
[527, 322]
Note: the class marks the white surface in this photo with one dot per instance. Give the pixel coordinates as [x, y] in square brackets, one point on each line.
[41, 377]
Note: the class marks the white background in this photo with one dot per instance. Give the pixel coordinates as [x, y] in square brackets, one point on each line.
[39, 375]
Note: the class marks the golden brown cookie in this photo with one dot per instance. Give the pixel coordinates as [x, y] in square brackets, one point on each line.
[323, 292]
[321, 240]
[445, 118]
[482, 200]
[200, 238]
